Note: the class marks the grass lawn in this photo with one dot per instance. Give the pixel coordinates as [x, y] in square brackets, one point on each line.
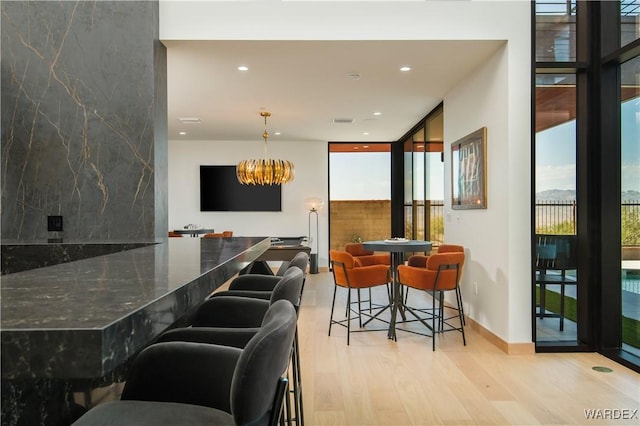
[630, 326]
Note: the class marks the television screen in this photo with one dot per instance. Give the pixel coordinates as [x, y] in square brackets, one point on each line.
[220, 191]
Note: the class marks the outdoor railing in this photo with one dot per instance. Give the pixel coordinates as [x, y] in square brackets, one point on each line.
[551, 217]
[556, 217]
[559, 217]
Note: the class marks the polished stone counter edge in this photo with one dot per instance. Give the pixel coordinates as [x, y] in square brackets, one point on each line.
[77, 353]
[23, 256]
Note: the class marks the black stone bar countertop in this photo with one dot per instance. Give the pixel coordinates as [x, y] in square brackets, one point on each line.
[83, 319]
[16, 256]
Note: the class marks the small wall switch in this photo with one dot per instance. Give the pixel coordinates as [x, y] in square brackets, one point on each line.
[54, 223]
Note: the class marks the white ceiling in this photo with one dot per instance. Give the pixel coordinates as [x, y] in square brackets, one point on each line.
[307, 84]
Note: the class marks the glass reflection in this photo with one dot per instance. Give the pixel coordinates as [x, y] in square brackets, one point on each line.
[556, 31]
[555, 212]
[630, 208]
[629, 21]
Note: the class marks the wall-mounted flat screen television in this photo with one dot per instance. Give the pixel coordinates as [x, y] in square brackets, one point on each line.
[220, 191]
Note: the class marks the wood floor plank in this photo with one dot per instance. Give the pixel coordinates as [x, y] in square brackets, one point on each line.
[376, 381]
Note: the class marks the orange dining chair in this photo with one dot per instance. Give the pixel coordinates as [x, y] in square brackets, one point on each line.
[227, 234]
[441, 273]
[367, 257]
[364, 257]
[420, 261]
[173, 234]
[348, 274]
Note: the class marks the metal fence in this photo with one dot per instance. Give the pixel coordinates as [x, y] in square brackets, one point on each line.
[553, 217]
[559, 217]
[556, 217]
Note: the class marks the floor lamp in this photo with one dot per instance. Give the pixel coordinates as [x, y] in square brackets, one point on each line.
[313, 205]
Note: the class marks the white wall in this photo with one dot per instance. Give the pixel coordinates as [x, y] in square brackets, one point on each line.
[483, 100]
[310, 160]
[496, 96]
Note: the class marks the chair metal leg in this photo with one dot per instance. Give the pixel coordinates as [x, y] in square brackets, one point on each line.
[360, 307]
[461, 306]
[441, 311]
[561, 307]
[278, 417]
[461, 318]
[542, 295]
[349, 315]
[297, 382]
[287, 406]
[333, 303]
[433, 311]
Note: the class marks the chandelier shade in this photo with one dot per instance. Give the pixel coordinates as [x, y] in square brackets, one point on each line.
[264, 171]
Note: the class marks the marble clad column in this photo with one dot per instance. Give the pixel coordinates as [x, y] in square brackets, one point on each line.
[84, 120]
[83, 135]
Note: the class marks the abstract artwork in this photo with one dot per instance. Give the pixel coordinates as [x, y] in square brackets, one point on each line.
[469, 171]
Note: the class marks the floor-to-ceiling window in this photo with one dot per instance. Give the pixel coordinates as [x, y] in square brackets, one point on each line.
[555, 216]
[630, 204]
[621, 57]
[359, 192]
[587, 140]
[423, 149]
[557, 284]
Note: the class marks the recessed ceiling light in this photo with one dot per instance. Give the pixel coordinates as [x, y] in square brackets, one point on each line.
[343, 120]
[276, 133]
[377, 113]
[243, 68]
[353, 76]
[355, 147]
[183, 133]
[405, 69]
[365, 133]
[190, 120]
[365, 146]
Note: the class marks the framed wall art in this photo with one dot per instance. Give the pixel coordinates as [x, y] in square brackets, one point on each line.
[469, 171]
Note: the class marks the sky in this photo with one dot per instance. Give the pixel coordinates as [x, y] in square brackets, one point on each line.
[555, 163]
[360, 176]
[556, 158]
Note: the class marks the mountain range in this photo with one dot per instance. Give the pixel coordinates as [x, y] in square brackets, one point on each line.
[570, 195]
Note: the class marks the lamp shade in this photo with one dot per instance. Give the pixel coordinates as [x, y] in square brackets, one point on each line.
[313, 204]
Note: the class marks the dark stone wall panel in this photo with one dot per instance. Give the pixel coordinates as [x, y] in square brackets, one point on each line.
[79, 106]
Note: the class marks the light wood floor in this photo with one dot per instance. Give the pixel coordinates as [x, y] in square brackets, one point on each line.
[375, 381]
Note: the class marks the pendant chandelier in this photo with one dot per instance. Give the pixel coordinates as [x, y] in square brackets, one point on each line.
[265, 171]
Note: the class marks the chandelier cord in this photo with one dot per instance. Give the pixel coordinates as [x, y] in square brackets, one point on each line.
[265, 135]
[265, 171]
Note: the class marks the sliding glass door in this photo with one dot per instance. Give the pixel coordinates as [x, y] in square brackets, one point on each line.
[630, 204]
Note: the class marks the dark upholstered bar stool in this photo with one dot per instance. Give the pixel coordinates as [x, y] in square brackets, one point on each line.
[260, 286]
[262, 282]
[179, 383]
[245, 309]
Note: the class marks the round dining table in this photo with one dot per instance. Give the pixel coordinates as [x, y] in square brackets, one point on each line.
[397, 247]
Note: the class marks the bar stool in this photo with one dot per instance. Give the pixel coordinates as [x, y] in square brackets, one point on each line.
[193, 383]
[245, 309]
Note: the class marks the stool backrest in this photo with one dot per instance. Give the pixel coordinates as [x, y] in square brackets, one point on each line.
[263, 362]
[448, 267]
[289, 287]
